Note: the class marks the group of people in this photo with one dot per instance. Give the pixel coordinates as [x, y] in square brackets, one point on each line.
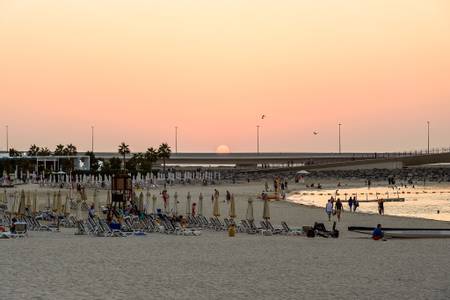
[334, 208]
[353, 203]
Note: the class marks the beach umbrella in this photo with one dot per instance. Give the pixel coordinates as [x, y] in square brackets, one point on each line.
[108, 198]
[154, 198]
[216, 209]
[54, 204]
[266, 210]
[232, 212]
[66, 210]
[21, 208]
[175, 203]
[58, 202]
[48, 199]
[10, 205]
[200, 204]
[141, 202]
[34, 207]
[188, 204]
[28, 199]
[249, 214]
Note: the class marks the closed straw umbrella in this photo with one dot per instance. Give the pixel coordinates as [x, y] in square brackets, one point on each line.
[249, 214]
[54, 203]
[216, 209]
[154, 199]
[28, 200]
[266, 210]
[66, 210]
[141, 202]
[175, 203]
[48, 200]
[108, 198]
[59, 202]
[232, 212]
[10, 204]
[21, 210]
[34, 207]
[200, 204]
[96, 203]
[188, 204]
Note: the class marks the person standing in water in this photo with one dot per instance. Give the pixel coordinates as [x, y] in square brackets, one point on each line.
[329, 209]
[381, 206]
[339, 208]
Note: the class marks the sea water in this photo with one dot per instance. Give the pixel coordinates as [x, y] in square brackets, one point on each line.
[429, 202]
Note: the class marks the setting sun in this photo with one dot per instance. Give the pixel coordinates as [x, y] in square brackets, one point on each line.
[222, 149]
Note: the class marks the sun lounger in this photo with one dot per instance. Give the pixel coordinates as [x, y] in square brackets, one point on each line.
[290, 231]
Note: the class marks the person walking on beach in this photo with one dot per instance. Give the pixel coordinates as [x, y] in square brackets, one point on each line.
[329, 209]
[381, 206]
[339, 208]
[355, 204]
[350, 203]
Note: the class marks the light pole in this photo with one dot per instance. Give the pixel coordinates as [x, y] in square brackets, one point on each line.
[257, 139]
[7, 138]
[92, 139]
[176, 139]
[428, 135]
[340, 149]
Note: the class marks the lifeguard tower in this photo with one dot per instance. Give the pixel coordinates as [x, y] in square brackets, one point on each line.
[121, 191]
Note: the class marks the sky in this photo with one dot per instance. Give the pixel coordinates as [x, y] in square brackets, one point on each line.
[136, 69]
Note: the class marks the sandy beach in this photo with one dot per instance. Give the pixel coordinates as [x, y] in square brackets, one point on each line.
[60, 265]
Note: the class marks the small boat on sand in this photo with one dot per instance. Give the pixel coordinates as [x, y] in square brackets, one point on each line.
[406, 233]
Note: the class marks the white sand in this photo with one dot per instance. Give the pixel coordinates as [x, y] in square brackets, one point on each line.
[214, 266]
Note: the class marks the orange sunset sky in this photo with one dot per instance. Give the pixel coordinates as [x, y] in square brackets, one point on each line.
[137, 69]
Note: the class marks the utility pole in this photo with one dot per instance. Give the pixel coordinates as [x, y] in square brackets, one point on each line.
[340, 149]
[92, 139]
[176, 139]
[428, 129]
[257, 139]
[7, 138]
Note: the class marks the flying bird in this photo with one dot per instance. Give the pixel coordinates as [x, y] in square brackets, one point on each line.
[263, 117]
[315, 132]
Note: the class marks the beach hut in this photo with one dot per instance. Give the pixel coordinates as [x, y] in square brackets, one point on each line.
[232, 212]
[188, 204]
[175, 203]
[216, 209]
[249, 214]
[266, 210]
[200, 204]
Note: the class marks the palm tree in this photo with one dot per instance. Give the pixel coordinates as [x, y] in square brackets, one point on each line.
[150, 157]
[44, 151]
[164, 152]
[33, 151]
[59, 150]
[124, 149]
[70, 150]
[14, 153]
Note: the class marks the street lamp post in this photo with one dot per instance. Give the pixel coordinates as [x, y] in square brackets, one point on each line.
[92, 139]
[428, 136]
[7, 138]
[340, 149]
[257, 139]
[176, 139]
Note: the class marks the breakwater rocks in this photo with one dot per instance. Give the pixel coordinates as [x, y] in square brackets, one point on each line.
[406, 175]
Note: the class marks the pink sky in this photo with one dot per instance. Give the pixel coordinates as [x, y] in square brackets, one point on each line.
[137, 69]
